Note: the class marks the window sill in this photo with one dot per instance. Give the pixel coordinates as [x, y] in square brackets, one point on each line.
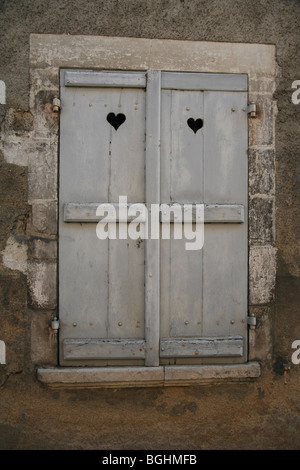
[130, 377]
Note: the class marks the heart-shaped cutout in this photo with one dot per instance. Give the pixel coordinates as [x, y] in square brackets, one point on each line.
[116, 120]
[195, 124]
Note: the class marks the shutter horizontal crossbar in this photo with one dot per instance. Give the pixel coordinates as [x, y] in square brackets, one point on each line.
[213, 213]
[169, 81]
[204, 81]
[81, 349]
[202, 347]
[103, 349]
[105, 79]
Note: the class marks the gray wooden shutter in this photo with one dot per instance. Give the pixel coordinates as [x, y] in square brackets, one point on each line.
[101, 282]
[140, 302]
[204, 292]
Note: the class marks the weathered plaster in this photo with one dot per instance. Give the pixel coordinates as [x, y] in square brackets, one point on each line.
[14, 256]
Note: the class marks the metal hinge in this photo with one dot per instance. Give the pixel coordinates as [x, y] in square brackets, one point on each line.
[53, 331]
[55, 325]
[251, 110]
[56, 105]
[251, 321]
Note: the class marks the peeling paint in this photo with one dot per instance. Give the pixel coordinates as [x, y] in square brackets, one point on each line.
[14, 255]
[42, 284]
[36, 284]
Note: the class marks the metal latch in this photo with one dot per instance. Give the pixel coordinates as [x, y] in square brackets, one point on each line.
[252, 322]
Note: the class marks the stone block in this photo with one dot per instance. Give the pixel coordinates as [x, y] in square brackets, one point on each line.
[43, 248]
[261, 221]
[42, 172]
[13, 183]
[12, 218]
[262, 84]
[44, 216]
[17, 121]
[16, 149]
[262, 274]
[125, 377]
[261, 171]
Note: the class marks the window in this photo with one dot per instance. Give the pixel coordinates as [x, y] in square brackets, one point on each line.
[164, 143]
[137, 55]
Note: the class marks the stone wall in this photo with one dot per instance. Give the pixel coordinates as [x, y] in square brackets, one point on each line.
[39, 38]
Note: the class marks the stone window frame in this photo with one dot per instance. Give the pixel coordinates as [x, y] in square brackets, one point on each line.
[50, 53]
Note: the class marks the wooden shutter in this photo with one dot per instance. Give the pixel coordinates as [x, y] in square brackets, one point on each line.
[101, 282]
[152, 301]
[204, 292]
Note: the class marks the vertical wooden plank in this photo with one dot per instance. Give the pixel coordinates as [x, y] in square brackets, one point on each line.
[225, 147]
[186, 187]
[126, 289]
[225, 280]
[185, 291]
[186, 158]
[83, 282]
[165, 246]
[181, 182]
[152, 196]
[166, 147]
[127, 145]
[126, 256]
[84, 176]
[165, 288]
[182, 148]
[84, 146]
[225, 247]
